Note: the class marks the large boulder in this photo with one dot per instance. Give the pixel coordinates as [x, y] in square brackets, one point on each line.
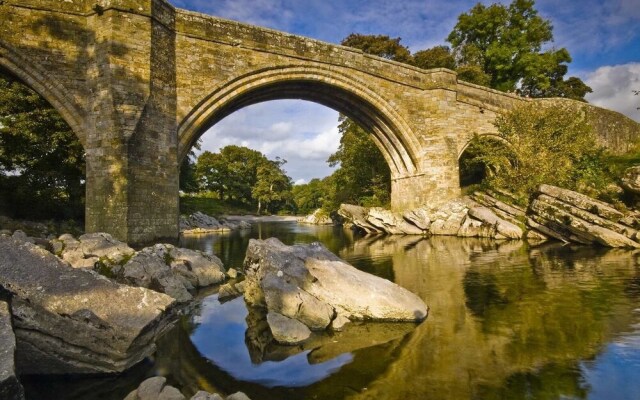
[74, 321]
[391, 223]
[310, 284]
[358, 217]
[503, 228]
[10, 387]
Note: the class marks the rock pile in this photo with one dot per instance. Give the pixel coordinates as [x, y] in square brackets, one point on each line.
[203, 223]
[464, 217]
[307, 288]
[162, 267]
[74, 321]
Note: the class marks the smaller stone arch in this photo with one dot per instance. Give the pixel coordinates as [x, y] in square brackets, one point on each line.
[327, 87]
[38, 80]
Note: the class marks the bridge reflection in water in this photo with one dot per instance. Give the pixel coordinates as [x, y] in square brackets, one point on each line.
[507, 321]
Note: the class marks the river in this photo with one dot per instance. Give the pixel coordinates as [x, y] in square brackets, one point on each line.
[507, 321]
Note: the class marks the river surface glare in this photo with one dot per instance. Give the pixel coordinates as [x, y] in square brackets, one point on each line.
[507, 321]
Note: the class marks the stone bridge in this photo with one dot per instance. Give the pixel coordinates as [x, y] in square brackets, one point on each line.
[139, 81]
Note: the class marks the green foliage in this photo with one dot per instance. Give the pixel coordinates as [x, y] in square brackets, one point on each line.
[239, 175]
[188, 176]
[379, 45]
[273, 186]
[41, 160]
[435, 57]
[311, 196]
[505, 42]
[549, 145]
[212, 206]
[363, 177]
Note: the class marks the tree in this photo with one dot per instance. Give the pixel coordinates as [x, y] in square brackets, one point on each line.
[311, 196]
[232, 173]
[272, 186]
[505, 42]
[636, 92]
[363, 176]
[379, 45]
[553, 145]
[188, 175]
[41, 159]
[435, 57]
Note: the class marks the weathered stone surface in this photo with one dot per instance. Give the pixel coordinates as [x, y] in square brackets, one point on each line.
[502, 227]
[238, 396]
[10, 387]
[419, 217]
[88, 249]
[358, 216]
[287, 330]
[583, 202]
[326, 278]
[68, 320]
[318, 217]
[582, 230]
[631, 180]
[156, 388]
[447, 219]
[202, 395]
[230, 291]
[392, 223]
[168, 269]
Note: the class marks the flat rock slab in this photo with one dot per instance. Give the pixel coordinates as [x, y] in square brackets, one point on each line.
[10, 387]
[69, 320]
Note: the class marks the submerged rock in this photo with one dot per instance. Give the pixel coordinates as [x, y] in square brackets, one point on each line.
[10, 387]
[310, 284]
[73, 321]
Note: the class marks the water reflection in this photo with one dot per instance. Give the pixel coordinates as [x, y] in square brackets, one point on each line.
[506, 322]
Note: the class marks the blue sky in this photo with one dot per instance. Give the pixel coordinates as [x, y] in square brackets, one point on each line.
[603, 37]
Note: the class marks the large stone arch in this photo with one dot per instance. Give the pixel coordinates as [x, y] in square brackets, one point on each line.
[342, 93]
[41, 82]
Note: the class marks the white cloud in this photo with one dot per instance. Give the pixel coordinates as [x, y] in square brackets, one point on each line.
[612, 88]
[300, 182]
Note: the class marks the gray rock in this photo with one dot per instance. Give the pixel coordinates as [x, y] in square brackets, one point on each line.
[326, 278]
[148, 270]
[583, 202]
[358, 216]
[151, 388]
[503, 227]
[286, 330]
[202, 395]
[419, 217]
[230, 291]
[339, 323]
[318, 217]
[238, 396]
[553, 218]
[447, 219]
[392, 223]
[71, 321]
[10, 387]
[631, 180]
[20, 235]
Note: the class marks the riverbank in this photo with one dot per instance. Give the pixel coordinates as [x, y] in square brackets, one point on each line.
[263, 218]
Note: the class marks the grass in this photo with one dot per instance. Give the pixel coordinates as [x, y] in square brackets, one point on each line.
[213, 207]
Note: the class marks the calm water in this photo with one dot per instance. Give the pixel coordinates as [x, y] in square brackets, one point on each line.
[507, 321]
